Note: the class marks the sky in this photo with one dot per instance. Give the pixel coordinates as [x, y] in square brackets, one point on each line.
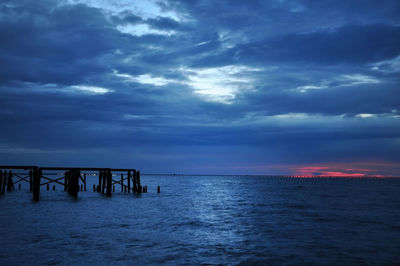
[295, 87]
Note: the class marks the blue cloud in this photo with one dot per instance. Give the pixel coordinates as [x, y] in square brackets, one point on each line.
[300, 82]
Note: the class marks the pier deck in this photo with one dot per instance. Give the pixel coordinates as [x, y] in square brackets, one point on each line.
[73, 179]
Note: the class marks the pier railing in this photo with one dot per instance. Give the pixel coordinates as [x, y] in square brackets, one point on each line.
[73, 179]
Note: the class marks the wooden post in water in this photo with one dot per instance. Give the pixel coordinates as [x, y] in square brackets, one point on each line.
[19, 186]
[100, 177]
[66, 174]
[104, 175]
[48, 187]
[37, 174]
[54, 187]
[134, 181]
[10, 183]
[138, 181]
[84, 181]
[30, 180]
[73, 184]
[76, 181]
[3, 189]
[129, 181]
[94, 187]
[109, 182]
[122, 182]
[69, 182]
[1, 181]
[158, 189]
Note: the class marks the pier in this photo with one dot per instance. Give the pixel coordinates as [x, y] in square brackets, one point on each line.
[72, 179]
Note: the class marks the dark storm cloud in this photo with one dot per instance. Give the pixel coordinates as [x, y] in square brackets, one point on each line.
[257, 19]
[347, 44]
[331, 101]
[55, 45]
[369, 10]
[352, 44]
[312, 81]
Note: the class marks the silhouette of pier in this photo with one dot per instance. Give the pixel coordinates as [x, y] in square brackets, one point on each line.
[72, 179]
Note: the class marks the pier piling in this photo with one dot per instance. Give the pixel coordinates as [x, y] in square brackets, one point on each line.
[138, 181]
[104, 181]
[122, 182]
[109, 182]
[3, 189]
[73, 182]
[10, 183]
[30, 180]
[100, 177]
[129, 181]
[66, 173]
[84, 181]
[134, 178]
[37, 174]
[1, 182]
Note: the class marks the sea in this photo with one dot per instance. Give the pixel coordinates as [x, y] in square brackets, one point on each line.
[207, 220]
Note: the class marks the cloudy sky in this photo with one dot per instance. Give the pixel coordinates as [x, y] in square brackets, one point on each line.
[264, 87]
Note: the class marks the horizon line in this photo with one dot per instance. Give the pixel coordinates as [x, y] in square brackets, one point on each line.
[268, 175]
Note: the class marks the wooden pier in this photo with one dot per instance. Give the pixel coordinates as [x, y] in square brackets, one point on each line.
[72, 179]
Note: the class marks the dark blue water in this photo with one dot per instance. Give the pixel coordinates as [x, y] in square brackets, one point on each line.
[208, 220]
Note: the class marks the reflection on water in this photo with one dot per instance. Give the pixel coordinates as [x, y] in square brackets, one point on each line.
[211, 220]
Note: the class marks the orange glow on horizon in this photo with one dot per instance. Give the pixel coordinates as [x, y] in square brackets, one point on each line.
[377, 169]
[336, 170]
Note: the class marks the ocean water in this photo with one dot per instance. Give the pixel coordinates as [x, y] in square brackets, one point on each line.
[208, 220]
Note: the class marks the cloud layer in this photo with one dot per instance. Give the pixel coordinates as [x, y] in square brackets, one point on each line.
[201, 86]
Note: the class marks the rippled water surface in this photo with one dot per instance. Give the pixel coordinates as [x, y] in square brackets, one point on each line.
[208, 220]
